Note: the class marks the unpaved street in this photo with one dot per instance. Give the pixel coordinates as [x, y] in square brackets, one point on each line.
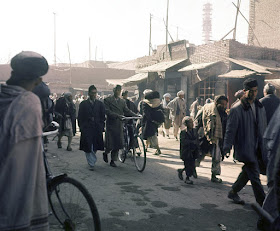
[156, 199]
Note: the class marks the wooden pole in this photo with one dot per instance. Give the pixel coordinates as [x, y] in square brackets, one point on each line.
[248, 24]
[235, 24]
[166, 26]
[70, 64]
[150, 40]
[89, 49]
[54, 37]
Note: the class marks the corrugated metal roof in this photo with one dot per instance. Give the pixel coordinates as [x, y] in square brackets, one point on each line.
[237, 74]
[197, 66]
[250, 65]
[162, 66]
[270, 65]
[133, 80]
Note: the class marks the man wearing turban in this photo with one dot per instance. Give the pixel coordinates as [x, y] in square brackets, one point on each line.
[178, 111]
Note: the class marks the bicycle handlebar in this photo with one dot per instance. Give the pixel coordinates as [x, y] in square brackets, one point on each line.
[132, 118]
[54, 125]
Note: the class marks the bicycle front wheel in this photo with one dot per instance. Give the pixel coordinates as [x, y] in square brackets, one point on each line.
[73, 205]
[122, 155]
[139, 154]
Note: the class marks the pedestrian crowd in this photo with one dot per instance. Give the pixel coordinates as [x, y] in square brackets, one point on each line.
[250, 130]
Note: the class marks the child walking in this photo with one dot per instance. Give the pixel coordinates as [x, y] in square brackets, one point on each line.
[188, 149]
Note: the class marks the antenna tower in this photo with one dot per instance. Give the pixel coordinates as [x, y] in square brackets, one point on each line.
[207, 22]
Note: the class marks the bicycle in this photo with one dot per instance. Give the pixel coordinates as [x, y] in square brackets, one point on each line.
[136, 147]
[70, 202]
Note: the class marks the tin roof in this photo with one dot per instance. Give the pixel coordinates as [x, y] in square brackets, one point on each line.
[162, 66]
[133, 80]
[237, 74]
[197, 66]
[250, 65]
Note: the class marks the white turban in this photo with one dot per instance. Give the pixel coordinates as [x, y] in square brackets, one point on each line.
[147, 91]
[166, 95]
[180, 93]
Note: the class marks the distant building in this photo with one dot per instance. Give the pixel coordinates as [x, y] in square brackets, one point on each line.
[207, 70]
[265, 23]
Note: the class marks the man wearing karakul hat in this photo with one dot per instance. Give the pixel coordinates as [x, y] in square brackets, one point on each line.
[245, 129]
[23, 197]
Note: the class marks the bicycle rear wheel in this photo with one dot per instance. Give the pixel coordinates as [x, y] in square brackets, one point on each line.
[73, 205]
[139, 154]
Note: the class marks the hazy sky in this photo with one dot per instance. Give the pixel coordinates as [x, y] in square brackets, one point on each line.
[118, 28]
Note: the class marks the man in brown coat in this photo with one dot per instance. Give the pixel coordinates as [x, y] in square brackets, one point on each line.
[115, 109]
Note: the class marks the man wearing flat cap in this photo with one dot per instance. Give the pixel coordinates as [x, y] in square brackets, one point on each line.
[23, 194]
[245, 129]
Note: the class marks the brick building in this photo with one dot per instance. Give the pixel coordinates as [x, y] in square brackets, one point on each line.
[265, 23]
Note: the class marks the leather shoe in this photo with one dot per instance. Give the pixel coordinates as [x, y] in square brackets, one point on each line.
[216, 179]
[188, 181]
[69, 148]
[59, 144]
[180, 174]
[105, 157]
[112, 163]
[236, 199]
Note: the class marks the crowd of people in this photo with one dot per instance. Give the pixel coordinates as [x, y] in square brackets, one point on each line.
[250, 130]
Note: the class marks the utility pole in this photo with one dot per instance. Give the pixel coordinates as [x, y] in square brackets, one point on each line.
[235, 25]
[95, 52]
[177, 33]
[166, 26]
[150, 40]
[70, 64]
[54, 35]
[89, 50]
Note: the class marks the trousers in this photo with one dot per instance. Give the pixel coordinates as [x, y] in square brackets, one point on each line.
[91, 157]
[250, 171]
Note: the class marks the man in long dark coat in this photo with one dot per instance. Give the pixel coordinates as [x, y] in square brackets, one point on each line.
[91, 120]
[245, 128]
[115, 109]
[270, 101]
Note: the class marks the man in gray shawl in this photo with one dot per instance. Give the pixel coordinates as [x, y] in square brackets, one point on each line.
[23, 194]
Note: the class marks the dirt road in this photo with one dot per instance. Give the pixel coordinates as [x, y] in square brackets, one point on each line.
[156, 199]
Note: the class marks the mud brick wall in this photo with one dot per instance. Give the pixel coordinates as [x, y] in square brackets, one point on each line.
[238, 50]
[265, 21]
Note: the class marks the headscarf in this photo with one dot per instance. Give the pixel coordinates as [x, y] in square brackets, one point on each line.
[186, 119]
[164, 102]
[239, 94]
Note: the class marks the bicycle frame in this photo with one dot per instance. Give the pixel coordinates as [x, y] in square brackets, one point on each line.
[126, 133]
